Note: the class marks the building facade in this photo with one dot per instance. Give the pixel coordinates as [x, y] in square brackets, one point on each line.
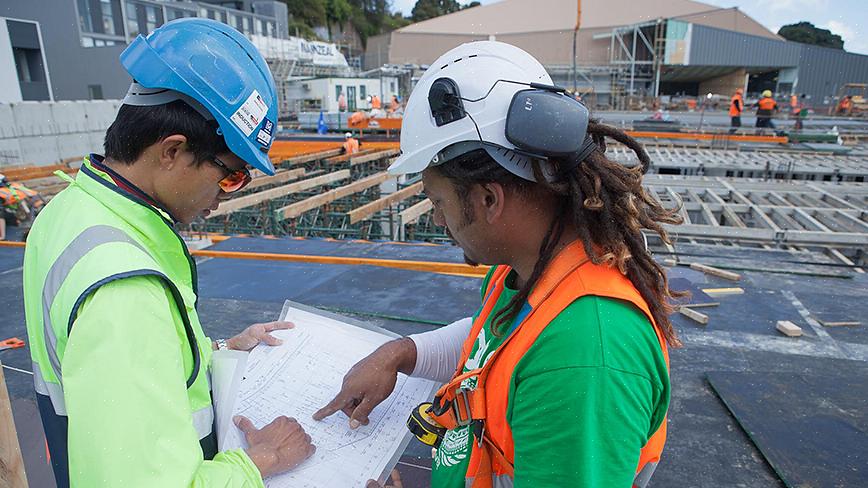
[625, 49]
[69, 49]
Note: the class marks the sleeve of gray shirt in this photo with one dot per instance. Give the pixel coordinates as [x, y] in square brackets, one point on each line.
[438, 351]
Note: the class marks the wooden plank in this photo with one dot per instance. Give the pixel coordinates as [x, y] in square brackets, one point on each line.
[788, 328]
[729, 275]
[693, 315]
[280, 191]
[282, 176]
[839, 324]
[342, 158]
[307, 158]
[12, 473]
[298, 208]
[412, 214]
[367, 158]
[366, 211]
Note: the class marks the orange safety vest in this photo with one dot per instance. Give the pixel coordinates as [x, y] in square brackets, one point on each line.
[351, 146]
[570, 276]
[766, 106]
[736, 109]
[375, 102]
[12, 194]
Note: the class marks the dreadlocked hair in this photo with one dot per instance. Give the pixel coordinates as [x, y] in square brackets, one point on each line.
[608, 206]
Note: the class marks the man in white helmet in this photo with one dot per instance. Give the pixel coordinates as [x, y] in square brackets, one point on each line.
[351, 144]
[561, 377]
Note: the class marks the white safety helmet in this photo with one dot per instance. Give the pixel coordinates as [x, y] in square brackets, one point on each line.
[348, 135]
[483, 78]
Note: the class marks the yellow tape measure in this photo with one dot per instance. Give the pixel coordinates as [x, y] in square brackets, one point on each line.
[424, 427]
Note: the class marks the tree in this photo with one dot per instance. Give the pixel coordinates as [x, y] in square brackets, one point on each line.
[428, 9]
[337, 12]
[808, 33]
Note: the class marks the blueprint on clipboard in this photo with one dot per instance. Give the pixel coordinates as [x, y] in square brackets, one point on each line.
[302, 375]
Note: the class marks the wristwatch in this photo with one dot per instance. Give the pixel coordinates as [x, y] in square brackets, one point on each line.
[221, 345]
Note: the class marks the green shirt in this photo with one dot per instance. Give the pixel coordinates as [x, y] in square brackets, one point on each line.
[584, 399]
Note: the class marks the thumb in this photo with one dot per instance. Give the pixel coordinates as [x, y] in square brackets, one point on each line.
[244, 424]
[360, 414]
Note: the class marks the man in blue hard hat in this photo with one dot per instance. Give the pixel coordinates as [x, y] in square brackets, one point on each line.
[121, 362]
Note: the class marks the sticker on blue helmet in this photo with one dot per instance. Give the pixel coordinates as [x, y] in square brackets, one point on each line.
[264, 135]
[250, 113]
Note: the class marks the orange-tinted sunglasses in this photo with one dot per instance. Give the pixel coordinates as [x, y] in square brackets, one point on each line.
[235, 179]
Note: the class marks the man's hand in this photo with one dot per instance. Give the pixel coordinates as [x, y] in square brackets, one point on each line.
[371, 381]
[277, 447]
[257, 333]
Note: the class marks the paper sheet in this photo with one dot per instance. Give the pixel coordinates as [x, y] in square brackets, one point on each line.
[302, 375]
[227, 372]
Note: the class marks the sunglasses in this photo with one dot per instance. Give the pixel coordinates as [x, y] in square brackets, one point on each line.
[235, 179]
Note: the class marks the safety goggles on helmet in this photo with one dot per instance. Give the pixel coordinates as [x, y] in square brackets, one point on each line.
[235, 179]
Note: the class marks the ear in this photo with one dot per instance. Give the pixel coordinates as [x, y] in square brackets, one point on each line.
[493, 200]
[172, 150]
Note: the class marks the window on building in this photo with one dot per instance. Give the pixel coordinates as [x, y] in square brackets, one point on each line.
[363, 92]
[248, 25]
[178, 13]
[338, 90]
[100, 19]
[269, 29]
[142, 18]
[95, 92]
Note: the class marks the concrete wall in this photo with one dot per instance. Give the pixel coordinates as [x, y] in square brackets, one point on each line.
[726, 84]
[416, 48]
[43, 133]
[377, 51]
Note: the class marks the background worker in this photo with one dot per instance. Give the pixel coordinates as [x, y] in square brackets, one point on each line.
[342, 102]
[800, 112]
[376, 104]
[845, 105]
[394, 105]
[18, 204]
[766, 109]
[351, 144]
[570, 341]
[736, 107]
[121, 363]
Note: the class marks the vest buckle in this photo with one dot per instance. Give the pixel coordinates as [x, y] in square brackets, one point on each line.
[461, 407]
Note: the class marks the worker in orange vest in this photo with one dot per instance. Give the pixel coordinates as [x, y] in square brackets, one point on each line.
[561, 377]
[351, 144]
[766, 108]
[736, 107]
[376, 104]
[17, 204]
[794, 105]
[394, 105]
[845, 105]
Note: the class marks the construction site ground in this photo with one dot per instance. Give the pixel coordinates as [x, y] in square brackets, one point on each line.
[803, 400]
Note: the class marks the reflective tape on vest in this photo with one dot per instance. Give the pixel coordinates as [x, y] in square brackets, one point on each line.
[85, 242]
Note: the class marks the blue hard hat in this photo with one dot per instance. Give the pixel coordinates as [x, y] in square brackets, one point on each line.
[218, 67]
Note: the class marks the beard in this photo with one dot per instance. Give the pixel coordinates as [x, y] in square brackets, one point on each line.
[467, 259]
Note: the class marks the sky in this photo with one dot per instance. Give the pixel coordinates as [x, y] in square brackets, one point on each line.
[847, 18]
